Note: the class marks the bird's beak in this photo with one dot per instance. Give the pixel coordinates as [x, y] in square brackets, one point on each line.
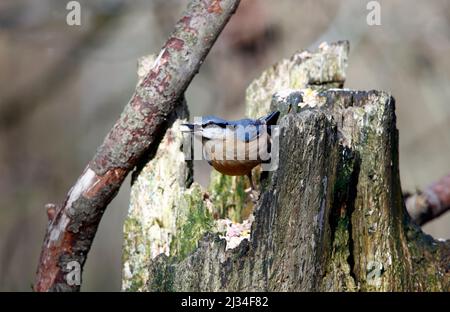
[191, 128]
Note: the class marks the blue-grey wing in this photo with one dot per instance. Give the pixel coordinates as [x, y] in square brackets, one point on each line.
[245, 130]
[241, 133]
[248, 133]
[213, 120]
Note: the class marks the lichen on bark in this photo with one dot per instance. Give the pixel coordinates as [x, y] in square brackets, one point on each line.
[331, 217]
[318, 70]
[135, 136]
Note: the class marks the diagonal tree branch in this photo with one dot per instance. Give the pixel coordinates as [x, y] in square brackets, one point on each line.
[430, 203]
[73, 225]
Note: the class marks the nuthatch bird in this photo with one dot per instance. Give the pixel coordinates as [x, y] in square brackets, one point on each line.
[234, 147]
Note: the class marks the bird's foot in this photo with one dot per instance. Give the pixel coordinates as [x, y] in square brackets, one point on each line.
[253, 194]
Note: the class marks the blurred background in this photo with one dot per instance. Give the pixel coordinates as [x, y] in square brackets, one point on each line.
[62, 87]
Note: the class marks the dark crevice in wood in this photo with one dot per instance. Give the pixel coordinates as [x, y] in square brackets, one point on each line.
[353, 183]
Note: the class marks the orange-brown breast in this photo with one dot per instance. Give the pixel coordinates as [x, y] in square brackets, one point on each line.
[234, 167]
[229, 163]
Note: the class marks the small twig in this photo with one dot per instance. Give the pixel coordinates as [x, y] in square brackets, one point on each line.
[143, 122]
[51, 211]
[431, 203]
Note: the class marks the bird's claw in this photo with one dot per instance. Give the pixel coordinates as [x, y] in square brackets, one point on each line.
[253, 194]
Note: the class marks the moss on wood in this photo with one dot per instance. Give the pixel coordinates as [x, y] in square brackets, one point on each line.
[330, 218]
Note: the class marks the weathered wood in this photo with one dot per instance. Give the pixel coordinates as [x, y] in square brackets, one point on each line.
[321, 69]
[333, 217]
[330, 218]
[225, 197]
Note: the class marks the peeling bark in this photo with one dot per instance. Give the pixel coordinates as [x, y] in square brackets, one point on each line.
[133, 137]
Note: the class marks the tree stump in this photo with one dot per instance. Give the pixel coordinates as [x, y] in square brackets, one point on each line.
[330, 218]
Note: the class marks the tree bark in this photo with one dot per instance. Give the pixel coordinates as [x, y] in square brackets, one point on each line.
[331, 217]
[134, 136]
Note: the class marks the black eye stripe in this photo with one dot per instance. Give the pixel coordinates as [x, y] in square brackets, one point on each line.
[212, 123]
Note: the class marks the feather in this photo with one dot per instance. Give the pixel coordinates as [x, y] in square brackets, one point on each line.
[244, 130]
